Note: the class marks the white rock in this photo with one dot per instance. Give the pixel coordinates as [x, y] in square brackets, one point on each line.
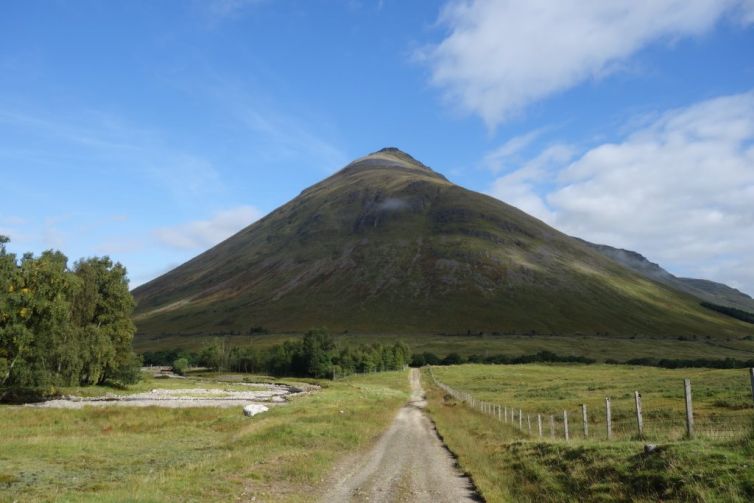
[253, 409]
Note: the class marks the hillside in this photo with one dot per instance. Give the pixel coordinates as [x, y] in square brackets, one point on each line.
[706, 290]
[387, 245]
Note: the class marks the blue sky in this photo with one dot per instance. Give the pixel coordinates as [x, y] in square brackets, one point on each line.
[149, 131]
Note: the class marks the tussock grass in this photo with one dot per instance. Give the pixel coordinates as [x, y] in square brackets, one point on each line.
[157, 454]
[508, 465]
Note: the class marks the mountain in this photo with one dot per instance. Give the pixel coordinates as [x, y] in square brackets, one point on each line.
[387, 245]
[705, 290]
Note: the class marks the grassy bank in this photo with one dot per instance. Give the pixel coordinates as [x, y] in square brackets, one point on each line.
[509, 465]
[156, 454]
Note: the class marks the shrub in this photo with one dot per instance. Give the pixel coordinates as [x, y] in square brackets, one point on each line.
[180, 366]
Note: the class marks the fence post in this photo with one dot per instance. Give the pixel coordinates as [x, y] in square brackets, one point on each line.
[520, 419]
[639, 419]
[552, 426]
[609, 416]
[528, 422]
[585, 420]
[689, 408]
[505, 414]
[751, 375]
[539, 424]
[565, 425]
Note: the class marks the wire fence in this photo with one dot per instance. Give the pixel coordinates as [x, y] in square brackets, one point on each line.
[606, 421]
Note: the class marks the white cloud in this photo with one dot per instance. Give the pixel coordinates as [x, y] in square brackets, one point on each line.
[202, 234]
[501, 55]
[680, 190]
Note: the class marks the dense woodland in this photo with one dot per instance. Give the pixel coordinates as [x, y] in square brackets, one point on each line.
[61, 325]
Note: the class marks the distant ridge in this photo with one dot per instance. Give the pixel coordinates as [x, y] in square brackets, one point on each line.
[709, 291]
[388, 245]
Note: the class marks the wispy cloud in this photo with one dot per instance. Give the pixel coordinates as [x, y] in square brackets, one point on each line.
[216, 11]
[202, 234]
[500, 56]
[509, 152]
[115, 147]
[275, 134]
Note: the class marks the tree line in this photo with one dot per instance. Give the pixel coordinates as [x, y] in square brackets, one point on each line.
[315, 355]
[739, 314]
[428, 358]
[61, 325]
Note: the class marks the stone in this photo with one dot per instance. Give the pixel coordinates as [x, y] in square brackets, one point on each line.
[253, 409]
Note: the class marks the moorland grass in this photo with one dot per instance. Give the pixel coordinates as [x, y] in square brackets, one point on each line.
[158, 454]
[722, 399]
[509, 465]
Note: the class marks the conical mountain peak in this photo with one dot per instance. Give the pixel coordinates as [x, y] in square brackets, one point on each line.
[390, 158]
[387, 245]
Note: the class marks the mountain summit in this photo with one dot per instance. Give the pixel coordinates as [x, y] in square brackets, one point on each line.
[388, 245]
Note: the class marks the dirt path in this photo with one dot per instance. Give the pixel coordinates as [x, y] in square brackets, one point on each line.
[409, 463]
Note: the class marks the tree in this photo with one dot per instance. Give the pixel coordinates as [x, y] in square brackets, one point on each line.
[60, 327]
[317, 352]
[180, 366]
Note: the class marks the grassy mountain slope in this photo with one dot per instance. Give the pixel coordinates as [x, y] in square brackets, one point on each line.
[710, 291]
[388, 245]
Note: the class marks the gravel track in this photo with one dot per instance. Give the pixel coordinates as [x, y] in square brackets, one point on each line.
[409, 463]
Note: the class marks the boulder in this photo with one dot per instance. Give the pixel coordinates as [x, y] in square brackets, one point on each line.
[253, 409]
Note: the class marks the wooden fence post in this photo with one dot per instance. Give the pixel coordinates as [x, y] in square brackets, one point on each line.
[505, 414]
[528, 422]
[751, 375]
[689, 408]
[552, 426]
[585, 420]
[639, 419]
[520, 419]
[565, 425]
[609, 417]
[539, 424]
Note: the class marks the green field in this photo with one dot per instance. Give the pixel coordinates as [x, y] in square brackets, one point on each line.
[158, 454]
[508, 464]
